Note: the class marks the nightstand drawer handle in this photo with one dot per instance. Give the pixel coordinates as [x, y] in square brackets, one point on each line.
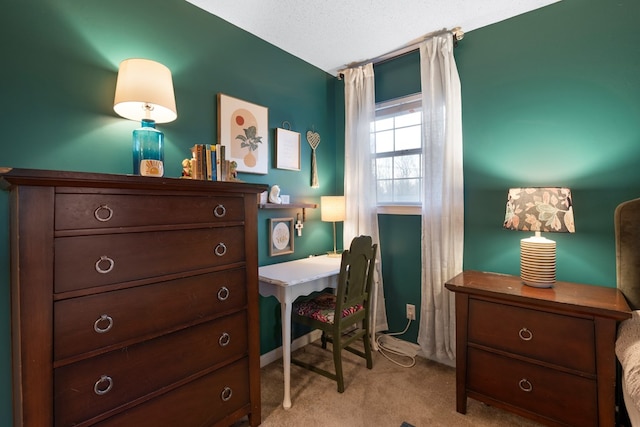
[102, 259]
[223, 293]
[221, 249]
[219, 211]
[99, 214]
[224, 339]
[103, 385]
[226, 394]
[525, 385]
[525, 334]
[104, 317]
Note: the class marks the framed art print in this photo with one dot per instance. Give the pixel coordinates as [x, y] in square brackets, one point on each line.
[287, 149]
[280, 236]
[243, 129]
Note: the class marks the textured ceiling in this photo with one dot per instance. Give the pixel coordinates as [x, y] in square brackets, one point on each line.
[331, 34]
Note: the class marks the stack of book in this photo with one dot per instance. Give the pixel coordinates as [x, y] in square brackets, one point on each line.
[209, 163]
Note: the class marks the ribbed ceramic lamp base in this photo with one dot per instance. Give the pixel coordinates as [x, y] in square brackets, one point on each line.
[538, 262]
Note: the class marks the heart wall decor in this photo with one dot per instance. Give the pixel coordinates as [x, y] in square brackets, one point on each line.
[313, 138]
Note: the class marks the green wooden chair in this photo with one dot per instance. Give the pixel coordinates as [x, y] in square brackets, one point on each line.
[352, 300]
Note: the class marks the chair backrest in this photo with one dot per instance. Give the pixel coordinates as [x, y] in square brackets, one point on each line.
[356, 274]
[627, 230]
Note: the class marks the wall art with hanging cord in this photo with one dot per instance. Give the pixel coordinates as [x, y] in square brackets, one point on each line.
[287, 148]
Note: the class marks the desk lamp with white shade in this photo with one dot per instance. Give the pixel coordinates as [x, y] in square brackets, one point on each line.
[332, 209]
[539, 209]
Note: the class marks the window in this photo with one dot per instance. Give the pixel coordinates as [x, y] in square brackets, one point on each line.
[397, 134]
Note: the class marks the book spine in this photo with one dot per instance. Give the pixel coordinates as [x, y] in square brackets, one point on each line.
[203, 162]
[214, 164]
[209, 168]
[221, 154]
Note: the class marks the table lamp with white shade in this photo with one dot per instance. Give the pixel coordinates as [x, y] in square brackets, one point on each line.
[539, 209]
[144, 92]
[332, 209]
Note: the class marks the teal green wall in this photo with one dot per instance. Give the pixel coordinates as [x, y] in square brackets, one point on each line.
[551, 97]
[57, 81]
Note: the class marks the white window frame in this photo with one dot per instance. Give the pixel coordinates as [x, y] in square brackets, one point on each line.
[387, 108]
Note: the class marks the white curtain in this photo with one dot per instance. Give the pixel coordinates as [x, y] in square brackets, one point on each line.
[359, 176]
[443, 205]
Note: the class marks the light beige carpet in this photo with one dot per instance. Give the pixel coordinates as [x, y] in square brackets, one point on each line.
[387, 395]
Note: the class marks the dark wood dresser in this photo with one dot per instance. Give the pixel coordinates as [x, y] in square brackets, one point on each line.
[134, 300]
[546, 354]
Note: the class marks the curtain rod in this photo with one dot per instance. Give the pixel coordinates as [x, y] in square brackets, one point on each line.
[457, 32]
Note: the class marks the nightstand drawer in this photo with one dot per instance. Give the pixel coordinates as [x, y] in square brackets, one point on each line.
[202, 402]
[558, 395]
[90, 387]
[100, 320]
[87, 211]
[562, 340]
[86, 261]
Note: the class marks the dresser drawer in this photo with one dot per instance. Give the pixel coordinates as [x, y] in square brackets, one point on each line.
[560, 396]
[87, 261]
[563, 340]
[90, 387]
[202, 402]
[78, 211]
[92, 322]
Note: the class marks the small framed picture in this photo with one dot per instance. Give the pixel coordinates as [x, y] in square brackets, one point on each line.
[287, 149]
[280, 236]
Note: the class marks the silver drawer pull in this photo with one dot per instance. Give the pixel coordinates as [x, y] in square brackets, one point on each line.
[223, 293]
[100, 211]
[226, 394]
[103, 318]
[224, 339]
[525, 385]
[220, 249]
[219, 211]
[102, 259]
[103, 385]
[525, 334]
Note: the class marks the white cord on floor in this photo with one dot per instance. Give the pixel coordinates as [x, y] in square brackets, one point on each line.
[384, 350]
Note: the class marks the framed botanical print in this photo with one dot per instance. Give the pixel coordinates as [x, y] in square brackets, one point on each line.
[280, 236]
[243, 129]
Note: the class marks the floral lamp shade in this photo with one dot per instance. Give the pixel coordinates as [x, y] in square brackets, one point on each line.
[548, 209]
[539, 209]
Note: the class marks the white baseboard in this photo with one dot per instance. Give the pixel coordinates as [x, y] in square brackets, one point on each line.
[276, 354]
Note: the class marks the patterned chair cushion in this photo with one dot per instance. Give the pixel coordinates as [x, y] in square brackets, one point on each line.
[322, 308]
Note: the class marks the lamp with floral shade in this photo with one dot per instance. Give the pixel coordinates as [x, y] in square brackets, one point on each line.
[539, 209]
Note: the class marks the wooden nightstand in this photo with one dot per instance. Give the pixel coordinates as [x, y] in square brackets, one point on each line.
[545, 354]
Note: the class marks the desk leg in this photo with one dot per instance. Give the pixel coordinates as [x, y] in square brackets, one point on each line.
[286, 352]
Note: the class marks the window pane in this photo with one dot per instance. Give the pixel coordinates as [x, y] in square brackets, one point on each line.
[384, 141]
[385, 193]
[406, 190]
[406, 166]
[408, 138]
[384, 124]
[409, 119]
[384, 168]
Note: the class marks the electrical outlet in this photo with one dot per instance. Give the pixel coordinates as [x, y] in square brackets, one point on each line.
[411, 312]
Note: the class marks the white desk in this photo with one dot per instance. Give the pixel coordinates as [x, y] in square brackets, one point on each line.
[289, 280]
